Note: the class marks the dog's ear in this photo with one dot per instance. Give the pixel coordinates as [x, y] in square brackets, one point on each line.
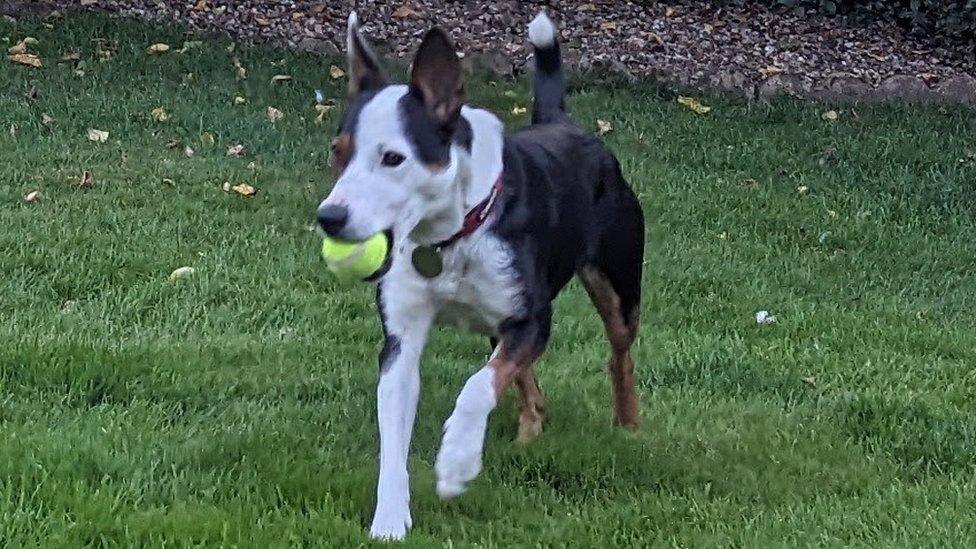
[436, 76]
[364, 70]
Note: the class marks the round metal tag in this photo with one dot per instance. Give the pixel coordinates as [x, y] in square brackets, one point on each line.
[427, 261]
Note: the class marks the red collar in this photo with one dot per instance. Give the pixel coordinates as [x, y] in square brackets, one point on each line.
[475, 217]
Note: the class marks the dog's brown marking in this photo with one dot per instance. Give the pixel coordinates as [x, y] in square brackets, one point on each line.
[341, 152]
[517, 366]
[621, 333]
[532, 405]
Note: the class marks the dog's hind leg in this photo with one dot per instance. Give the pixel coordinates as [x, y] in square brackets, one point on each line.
[613, 281]
[621, 329]
[532, 405]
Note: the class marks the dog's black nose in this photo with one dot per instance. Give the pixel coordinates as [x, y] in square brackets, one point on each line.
[333, 219]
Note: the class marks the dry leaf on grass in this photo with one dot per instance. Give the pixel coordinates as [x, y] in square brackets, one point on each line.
[21, 47]
[182, 272]
[238, 100]
[32, 196]
[189, 45]
[749, 184]
[809, 380]
[239, 69]
[280, 78]
[207, 138]
[70, 56]
[188, 152]
[603, 127]
[404, 12]
[693, 104]
[829, 116]
[28, 59]
[169, 182]
[13, 131]
[201, 5]
[336, 73]
[803, 189]
[98, 136]
[86, 180]
[235, 151]
[274, 114]
[157, 48]
[322, 110]
[763, 318]
[159, 114]
[770, 70]
[242, 189]
[46, 119]
[519, 111]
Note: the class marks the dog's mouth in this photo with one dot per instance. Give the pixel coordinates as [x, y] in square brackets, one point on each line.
[387, 261]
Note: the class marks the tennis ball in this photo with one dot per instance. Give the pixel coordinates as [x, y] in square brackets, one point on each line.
[355, 261]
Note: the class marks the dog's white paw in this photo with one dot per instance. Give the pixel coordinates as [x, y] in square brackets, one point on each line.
[459, 459]
[390, 524]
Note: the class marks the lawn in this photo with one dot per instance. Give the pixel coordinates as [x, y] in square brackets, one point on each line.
[236, 406]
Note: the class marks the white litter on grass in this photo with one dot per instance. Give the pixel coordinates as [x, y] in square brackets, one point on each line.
[319, 97]
[763, 318]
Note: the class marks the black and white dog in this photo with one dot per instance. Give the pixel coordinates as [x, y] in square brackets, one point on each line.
[486, 228]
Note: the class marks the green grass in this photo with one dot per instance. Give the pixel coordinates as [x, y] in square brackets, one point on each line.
[236, 407]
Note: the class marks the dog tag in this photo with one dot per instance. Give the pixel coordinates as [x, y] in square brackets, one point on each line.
[427, 261]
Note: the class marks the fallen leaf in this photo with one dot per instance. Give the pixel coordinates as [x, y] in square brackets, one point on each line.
[749, 184]
[157, 48]
[252, 165]
[169, 182]
[68, 306]
[518, 111]
[241, 71]
[803, 189]
[280, 78]
[159, 114]
[809, 380]
[235, 151]
[404, 11]
[274, 114]
[226, 186]
[70, 56]
[207, 138]
[182, 272]
[832, 213]
[322, 110]
[86, 180]
[46, 120]
[829, 116]
[98, 136]
[32, 196]
[723, 235]
[693, 104]
[201, 5]
[244, 189]
[770, 70]
[173, 143]
[262, 22]
[31, 94]
[668, 11]
[21, 47]
[336, 73]
[608, 25]
[929, 78]
[603, 127]
[28, 59]
[238, 100]
[188, 152]
[189, 45]
[13, 131]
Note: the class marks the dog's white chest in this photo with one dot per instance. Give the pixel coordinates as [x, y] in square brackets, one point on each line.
[479, 286]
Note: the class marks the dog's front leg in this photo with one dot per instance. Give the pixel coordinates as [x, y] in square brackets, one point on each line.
[405, 326]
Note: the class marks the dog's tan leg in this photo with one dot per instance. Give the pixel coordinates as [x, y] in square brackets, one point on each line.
[532, 405]
[621, 333]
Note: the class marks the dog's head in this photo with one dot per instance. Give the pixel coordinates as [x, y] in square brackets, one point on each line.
[400, 149]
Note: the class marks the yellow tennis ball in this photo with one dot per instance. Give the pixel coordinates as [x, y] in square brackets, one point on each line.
[355, 261]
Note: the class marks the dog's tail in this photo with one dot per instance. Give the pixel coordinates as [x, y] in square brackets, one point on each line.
[550, 85]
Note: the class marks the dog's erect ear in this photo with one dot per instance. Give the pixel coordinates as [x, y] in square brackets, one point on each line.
[436, 75]
[364, 70]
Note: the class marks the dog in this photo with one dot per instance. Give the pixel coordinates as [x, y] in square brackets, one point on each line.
[486, 228]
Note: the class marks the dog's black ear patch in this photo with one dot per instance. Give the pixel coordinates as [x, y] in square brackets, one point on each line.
[436, 77]
[365, 73]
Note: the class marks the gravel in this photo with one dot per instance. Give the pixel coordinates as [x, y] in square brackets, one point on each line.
[752, 49]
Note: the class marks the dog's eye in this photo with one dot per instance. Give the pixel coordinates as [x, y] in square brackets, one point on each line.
[392, 159]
